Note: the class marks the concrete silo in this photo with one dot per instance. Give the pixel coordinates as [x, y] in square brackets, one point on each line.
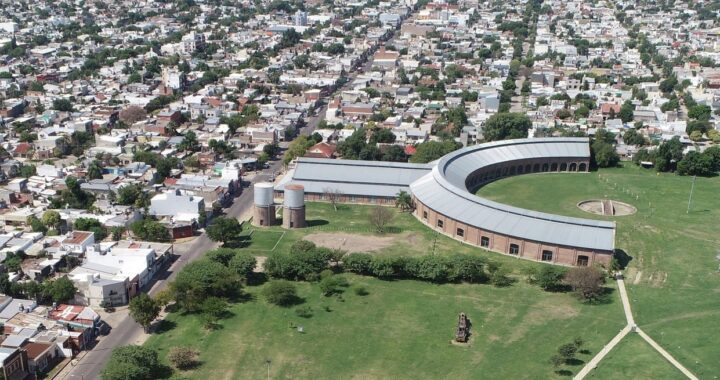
[294, 206]
[264, 214]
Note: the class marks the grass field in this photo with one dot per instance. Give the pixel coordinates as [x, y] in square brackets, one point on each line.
[673, 279]
[400, 330]
[633, 358]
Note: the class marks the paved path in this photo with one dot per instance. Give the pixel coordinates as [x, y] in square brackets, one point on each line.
[631, 326]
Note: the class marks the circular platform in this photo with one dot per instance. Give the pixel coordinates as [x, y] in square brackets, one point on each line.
[607, 207]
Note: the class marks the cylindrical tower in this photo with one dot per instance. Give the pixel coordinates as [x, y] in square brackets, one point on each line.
[264, 213]
[294, 206]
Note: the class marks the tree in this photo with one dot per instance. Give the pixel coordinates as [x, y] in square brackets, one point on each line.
[183, 358]
[332, 284]
[586, 282]
[506, 126]
[582, 112]
[28, 171]
[132, 363]
[668, 153]
[92, 225]
[132, 114]
[150, 230]
[380, 217]
[432, 150]
[95, 170]
[36, 224]
[144, 310]
[52, 219]
[189, 142]
[61, 290]
[626, 112]
[62, 105]
[695, 163]
[605, 154]
[243, 264]
[333, 196]
[213, 308]
[224, 230]
[133, 194]
[567, 351]
[280, 292]
[403, 200]
[549, 277]
[700, 112]
[202, 279]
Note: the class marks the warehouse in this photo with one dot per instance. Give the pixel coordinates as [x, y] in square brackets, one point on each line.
[444, 199]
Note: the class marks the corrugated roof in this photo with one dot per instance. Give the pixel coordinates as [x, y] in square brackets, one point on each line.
[350, 177]
[444, 191]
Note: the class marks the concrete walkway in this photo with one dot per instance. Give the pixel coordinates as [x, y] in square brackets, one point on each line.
[631, 326]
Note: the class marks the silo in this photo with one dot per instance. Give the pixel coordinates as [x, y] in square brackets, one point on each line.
[294, 206]
[264, 214]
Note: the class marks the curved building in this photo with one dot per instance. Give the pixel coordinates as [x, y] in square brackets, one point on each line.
[443, 193]
[445, 200]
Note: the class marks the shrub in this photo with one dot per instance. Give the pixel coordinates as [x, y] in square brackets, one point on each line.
[359, 263]
[586, 282]
[183, 358]
[280, 292]
[333, 285]
[361, 291]
[304, 312]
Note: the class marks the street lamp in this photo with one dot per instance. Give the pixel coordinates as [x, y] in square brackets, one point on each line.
[268, 361]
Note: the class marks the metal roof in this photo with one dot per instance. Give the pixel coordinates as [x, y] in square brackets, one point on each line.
[351, 177]
[444, 191]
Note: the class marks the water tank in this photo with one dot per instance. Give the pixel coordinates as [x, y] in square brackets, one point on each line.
[294, 196]
[263, 194]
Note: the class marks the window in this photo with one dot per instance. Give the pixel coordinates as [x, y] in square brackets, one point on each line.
[514, 249]
[460, 232]
[485, 241]
[536, 168]
[440, 223]
[554, 167]
[582, 261]
[547, 255]
[563, 167]
[262, 222]
[424, 215]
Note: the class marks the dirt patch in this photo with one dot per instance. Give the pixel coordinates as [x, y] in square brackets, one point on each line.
[606, 207]
[353, 242]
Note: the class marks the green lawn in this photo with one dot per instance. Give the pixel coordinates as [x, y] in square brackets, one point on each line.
[673, 279]
[633, 358]
[401, 330]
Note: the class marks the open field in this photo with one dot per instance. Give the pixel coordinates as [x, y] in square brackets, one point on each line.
[400, 330]
[673, 279]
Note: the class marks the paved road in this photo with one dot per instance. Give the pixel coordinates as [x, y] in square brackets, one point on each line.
[126, 331]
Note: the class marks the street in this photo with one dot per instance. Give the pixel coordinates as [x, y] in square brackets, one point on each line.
[127, 331]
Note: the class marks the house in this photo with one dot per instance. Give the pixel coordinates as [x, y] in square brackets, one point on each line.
[176, 205]
[77, 242]
[321, 150]
[40, 355]
[14, 363]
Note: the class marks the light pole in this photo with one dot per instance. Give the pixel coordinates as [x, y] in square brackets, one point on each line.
[268, 361]
[692, 188]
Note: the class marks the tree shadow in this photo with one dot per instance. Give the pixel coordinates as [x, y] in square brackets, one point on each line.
[317, 222]
[585, 352]
[622, 258]
[574, 362]
[604, 298]
[163, 372]
[163, 326]
[563, 372]
[256, 279]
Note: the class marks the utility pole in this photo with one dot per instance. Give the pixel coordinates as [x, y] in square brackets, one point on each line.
[268, 361]
[692, 188]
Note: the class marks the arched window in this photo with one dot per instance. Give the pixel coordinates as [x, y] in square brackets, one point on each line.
[582, 261]
[553, 167]
[512, 170]
[460, 232]
[514, 249]
[573, 167]
[545, 167]
[520, 169]
[536, 168]
[547, 255]
[582, 167]
[563, 167]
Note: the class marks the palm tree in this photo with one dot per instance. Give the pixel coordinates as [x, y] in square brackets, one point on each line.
[404, 201]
